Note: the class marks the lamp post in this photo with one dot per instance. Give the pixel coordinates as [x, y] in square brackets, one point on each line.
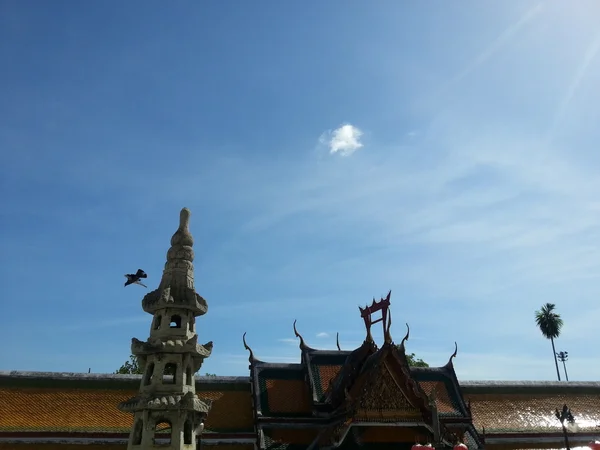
[563, 357]
[563, 416]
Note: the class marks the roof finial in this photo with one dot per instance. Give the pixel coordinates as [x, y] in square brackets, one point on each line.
[184, 219]
[251, 356]
[387, 335]
[183, 236]
[337, 341]
[449, 363]
[405, 337]
[179, 269]
[302, 343]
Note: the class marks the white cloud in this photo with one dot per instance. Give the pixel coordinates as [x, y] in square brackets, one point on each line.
[322, 335]
[344, 140]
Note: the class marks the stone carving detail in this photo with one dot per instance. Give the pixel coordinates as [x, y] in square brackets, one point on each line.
[380, 392]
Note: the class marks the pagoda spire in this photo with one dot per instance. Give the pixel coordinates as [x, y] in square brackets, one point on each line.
[179, 268]
[167, 412]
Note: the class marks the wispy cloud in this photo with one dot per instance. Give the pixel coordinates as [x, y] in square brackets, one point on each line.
[590, 53]
[322, 335]
[501, 40]
[344, 140]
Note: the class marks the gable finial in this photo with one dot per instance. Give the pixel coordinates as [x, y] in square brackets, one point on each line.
[302, 343]
[449, 363]
[405, 338]
[337, 341]
[251, 356]
[387, 335]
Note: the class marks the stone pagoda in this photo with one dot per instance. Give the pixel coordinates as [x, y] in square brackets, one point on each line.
[167, 413]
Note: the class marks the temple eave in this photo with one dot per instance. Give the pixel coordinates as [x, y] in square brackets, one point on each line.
[197, 351]
[197, 307]
[177, 403]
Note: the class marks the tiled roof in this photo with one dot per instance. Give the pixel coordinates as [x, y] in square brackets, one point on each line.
[283, 392]
[59, 409]
[231, 411]
[442, 380]
[526, 412]
[88, 403]
[528, 406]
[324, 366]
[500, 407]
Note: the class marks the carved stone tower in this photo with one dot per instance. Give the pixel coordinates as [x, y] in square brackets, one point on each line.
[167, 413]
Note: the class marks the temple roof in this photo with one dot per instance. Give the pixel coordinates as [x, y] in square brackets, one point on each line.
[77, 406]
[81, 404]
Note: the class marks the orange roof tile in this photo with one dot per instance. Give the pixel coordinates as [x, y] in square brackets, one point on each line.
[288, 396]
[327, 373]
[230, 411]
[95, 410]
[48, 409]
[442, 398]
[527, 412]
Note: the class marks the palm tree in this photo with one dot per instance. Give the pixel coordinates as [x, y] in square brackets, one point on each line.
[549, 324]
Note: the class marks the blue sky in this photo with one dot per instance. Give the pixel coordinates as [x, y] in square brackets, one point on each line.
[328, 152]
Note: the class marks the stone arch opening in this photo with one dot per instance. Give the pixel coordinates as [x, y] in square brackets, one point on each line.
[187, 432]
[169, 373]
[162, 432]
[149, 374]
[189, 376]
[175, 321]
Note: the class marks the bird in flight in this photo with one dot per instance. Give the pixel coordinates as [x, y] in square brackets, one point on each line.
[134, 278]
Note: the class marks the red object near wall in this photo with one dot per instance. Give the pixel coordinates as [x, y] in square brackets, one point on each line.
[594, 445]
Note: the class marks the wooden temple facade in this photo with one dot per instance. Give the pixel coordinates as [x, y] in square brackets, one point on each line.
[366, 398]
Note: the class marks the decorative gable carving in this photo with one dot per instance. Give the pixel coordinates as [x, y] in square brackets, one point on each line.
[378, 395]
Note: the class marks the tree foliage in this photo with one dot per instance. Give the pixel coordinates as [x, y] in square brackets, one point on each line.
[550, 324]
[548, 321]
[413, 361]
[130, 367]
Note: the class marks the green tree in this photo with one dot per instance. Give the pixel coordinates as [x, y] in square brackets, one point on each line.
[413, 361]
[550, 325]
[210, 374]
[130, 367]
